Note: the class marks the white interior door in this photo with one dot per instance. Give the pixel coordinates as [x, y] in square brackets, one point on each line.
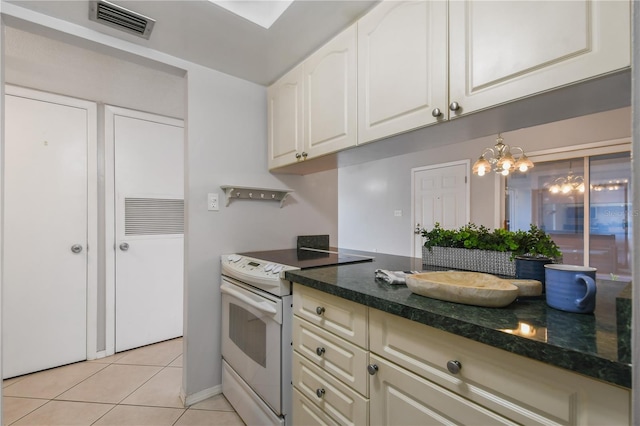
[45, 274]
[440, 195]
[149, 222]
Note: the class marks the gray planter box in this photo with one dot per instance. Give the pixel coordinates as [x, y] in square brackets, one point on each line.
[491, 262]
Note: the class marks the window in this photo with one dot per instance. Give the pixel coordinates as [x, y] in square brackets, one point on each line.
[584, 203]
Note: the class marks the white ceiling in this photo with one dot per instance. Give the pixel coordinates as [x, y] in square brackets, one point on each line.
[201, 32]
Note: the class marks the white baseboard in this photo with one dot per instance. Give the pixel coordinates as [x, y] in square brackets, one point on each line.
[189, 400]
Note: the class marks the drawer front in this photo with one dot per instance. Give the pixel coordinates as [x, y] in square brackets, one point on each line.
[332, 396]
[341, 317]
[342, 359]
[522, 389]
[307, 413]
[401, 397]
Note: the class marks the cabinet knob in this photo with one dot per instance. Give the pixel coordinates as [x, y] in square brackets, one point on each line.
[304, 155]
[436, 112]
[320, 393]
[454, 366]
[320, 351]
[454, 106]
[372, 369]
[320, 310]
[298, 156]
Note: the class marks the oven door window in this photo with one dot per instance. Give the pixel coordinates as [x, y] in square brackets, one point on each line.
[249, 333]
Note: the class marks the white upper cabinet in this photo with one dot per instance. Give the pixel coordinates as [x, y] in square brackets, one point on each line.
[505, 50]
[330, 96]
[285, 118]
[312, 109]
[402, 67]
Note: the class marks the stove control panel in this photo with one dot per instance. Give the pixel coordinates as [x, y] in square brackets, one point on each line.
[259, 273]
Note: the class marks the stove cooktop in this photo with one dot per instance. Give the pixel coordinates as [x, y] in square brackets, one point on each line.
[305, 258]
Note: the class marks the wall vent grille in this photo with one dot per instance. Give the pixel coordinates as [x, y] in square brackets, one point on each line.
[153, 216]
[121, 18]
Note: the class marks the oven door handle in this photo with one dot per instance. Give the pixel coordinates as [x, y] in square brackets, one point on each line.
[261, 306]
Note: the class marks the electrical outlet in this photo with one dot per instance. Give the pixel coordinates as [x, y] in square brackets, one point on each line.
[212, 201]
[397, 213]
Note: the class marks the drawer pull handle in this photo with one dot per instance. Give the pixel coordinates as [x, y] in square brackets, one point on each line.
[320, 393]
[320, 310]
[320, 351]
[372, 369]
[454, 366]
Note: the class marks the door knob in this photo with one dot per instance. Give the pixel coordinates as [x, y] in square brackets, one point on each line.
[124, 246]
[76, 248]
[454, 106]
[372, 369]
[436, 112]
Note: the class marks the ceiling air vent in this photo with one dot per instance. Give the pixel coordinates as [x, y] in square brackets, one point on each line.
[121, 18]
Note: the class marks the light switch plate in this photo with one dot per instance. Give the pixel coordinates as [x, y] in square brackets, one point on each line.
[212, 201]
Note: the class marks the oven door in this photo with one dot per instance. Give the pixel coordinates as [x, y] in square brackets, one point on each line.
[252, 338]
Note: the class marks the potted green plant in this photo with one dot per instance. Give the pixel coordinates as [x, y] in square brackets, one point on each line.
[535, 249]
[478, 248]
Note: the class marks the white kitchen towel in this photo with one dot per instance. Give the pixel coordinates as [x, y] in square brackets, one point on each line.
[393, 277]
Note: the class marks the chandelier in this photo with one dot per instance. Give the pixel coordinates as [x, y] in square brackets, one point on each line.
[501, 160]
[566, 185]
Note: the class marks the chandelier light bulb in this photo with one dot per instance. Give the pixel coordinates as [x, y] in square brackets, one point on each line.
[501, 159]
[554, 189]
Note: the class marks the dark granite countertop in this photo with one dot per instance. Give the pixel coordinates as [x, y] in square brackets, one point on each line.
[590, 344]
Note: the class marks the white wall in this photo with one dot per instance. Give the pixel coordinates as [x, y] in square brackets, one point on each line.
[225, 144]
[369, 193]
[55, 66]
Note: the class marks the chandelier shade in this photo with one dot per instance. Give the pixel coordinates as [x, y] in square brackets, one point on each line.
[501, 159]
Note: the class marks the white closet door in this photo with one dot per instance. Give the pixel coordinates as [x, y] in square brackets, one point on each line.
[149, 228]
[44, 300]
[440, 195]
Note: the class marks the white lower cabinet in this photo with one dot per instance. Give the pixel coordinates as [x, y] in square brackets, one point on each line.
[399, 397]
[402, 375]
[510, 386]
[332, 396]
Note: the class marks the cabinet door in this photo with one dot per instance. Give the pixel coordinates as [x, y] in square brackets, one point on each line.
[501, 51]
[328, 393]
[399, 397]
[306, 413]
[330, 96]
[285, 118]
[339, 316]
[402, 67]
[334, 355]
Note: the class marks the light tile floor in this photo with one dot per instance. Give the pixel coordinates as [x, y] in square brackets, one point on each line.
[140, 387]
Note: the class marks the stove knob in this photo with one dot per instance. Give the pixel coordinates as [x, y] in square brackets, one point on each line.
[268, 267]
[277, 269]
[234, 258]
